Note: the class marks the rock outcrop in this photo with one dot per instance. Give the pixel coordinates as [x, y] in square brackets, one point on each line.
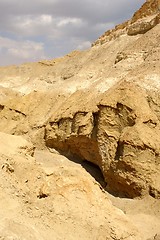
[143, 25]
[99, 108]
[101, 105]
[119, 133]
[40, 195]
[147, 17]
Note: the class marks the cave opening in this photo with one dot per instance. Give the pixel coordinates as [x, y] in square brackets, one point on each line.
[95, 172]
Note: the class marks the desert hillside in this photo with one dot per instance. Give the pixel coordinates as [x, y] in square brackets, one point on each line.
[80, 139]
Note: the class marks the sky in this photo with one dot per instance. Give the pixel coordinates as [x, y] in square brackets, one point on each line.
[31, 30]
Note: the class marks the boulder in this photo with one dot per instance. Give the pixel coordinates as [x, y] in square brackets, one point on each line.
[142, 26]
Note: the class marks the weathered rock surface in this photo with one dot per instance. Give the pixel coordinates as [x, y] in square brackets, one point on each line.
[143, 26]
[120, 134]
[89, 116]
[40, 195]
[147, 17]
[101, 105]
[130, 131]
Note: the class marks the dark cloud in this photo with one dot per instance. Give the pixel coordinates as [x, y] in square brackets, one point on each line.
[58, 26]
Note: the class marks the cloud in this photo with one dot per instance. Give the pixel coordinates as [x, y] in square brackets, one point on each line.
[70, 21]
[84, 45]
[12, 51]
[30, 25]
[58, 26]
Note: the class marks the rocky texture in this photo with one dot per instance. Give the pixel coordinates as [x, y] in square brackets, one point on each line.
[100, 106]
[141, 27]
[130, 131]
[39, 196]
[150, 7]
[97, 81]
[147, 17]
[120, 134]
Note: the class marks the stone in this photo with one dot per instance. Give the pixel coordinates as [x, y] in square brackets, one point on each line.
[121, 138]
[68, 120]
[143, 20]
[142, 26]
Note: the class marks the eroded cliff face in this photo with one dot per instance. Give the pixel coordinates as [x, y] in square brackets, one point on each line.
[42, 193]
[130, 131]
[100, 105]
[147, 17]
[119, 133]
[150, 7]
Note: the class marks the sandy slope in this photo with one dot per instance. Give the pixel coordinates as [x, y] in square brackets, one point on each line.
[55, 198]
[51, 197]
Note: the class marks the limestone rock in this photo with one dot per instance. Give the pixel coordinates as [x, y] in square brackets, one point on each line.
[149, 8]
[121, 137]
[97, 107]
[68, 197]
[51, 117]
[143, 20]
[142, 26]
